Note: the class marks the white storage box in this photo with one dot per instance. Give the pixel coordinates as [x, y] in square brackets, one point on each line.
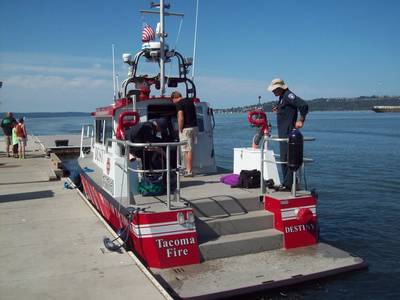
[250, 159]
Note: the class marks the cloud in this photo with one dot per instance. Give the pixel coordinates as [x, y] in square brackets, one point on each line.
[53, 83]
[34, 82]
[70, 71]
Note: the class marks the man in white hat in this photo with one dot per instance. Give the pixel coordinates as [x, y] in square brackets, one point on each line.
[287, 110]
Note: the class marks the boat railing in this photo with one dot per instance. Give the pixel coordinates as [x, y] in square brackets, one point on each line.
[86, 134]
[168, 170]
[264, 145]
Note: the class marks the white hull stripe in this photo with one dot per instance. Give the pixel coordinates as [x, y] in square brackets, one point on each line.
[141, 235]
[292, 208]
[157, 224]
[150, 231]
[291, 214]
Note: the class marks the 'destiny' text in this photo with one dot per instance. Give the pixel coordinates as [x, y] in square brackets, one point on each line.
[299, 228]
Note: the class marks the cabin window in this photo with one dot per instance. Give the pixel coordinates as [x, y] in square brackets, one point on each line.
[104, 130]
[99, 131]
[108, 129]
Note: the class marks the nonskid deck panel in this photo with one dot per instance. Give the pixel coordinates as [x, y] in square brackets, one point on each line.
[204, 193]
[253, 272]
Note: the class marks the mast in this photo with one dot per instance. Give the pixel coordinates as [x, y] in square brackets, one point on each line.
[162, 36]
[162, 43]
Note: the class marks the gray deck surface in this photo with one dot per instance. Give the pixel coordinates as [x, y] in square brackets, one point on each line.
[269, 269]
[193, 189]
[51, 241]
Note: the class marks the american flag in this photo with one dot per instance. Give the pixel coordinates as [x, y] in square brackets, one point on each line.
[148, 34]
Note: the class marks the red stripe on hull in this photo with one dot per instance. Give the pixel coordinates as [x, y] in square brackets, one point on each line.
[161, 250]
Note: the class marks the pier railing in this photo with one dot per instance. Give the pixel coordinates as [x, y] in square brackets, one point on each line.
[264, 145]
[168, 170]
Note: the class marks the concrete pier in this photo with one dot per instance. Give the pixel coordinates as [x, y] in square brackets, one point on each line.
[52, 241]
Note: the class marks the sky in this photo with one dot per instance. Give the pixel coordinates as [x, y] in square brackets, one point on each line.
[55, 55]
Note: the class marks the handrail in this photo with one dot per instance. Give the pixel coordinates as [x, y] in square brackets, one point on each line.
[278, 139]
[275, 138]
[168, 169]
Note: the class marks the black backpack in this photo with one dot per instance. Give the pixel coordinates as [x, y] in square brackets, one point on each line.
[249, 179]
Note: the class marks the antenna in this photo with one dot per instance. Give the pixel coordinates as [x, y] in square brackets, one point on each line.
[117, 82]
[113, 65]
[195, 38]
[162, 50]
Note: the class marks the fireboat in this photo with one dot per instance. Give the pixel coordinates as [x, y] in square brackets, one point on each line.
[199, 237]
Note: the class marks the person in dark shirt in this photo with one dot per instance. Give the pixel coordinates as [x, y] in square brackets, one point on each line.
[188, 130]
[144, 132]
[287, 109]
[166, 129]
[7, 125]
[147, 132]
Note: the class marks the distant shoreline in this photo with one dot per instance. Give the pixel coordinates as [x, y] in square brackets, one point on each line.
[327, 104]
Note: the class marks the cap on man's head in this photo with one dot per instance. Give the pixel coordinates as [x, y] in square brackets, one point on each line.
[277, 83]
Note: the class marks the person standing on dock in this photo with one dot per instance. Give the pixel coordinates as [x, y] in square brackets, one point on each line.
[7, 125]
[287, 109]
[20, 130]
[15, 141]
[188, 130]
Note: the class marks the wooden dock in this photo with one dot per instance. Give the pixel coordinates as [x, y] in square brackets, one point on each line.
[52, 240]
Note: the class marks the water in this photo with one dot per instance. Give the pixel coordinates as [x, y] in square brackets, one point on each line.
[357, 176]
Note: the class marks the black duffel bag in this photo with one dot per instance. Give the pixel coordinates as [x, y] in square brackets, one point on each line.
[249, 179]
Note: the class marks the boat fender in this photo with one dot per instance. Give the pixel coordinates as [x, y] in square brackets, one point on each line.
[126, 124]
[295, 150]
[304, 215]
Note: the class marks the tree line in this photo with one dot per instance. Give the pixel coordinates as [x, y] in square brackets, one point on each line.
[327, 104]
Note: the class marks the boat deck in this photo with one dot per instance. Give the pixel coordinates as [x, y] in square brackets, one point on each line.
[194, 192]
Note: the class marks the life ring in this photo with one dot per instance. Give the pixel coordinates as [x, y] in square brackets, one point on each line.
[126, 124]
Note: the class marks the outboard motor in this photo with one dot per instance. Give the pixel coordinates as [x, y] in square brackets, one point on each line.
[295, 150]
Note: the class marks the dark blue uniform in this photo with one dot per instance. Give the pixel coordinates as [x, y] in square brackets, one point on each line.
[287, 109]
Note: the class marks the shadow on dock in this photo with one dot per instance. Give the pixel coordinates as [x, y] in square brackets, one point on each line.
[27, 196]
